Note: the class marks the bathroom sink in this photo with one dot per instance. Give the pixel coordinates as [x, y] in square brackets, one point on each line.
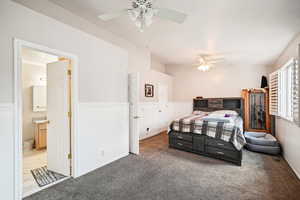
[40, 121]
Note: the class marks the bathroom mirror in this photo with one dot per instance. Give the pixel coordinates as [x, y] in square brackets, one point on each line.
[39, 102]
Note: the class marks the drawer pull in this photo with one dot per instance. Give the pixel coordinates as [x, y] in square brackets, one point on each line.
[220, 153]
[180, 144]
[220, 144]
[180, 137]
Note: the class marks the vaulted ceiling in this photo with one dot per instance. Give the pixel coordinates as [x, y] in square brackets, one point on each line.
[244, 31]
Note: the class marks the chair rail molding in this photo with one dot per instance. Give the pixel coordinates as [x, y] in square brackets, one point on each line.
[6, 107]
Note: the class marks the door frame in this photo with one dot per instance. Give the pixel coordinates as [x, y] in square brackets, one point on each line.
[18, 118]
[134, 105]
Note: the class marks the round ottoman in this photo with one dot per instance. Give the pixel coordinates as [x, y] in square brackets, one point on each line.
[262, 142]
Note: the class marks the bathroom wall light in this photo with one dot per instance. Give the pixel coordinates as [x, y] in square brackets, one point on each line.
[203, 68]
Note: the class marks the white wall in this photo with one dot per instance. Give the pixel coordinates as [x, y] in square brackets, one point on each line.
[139, 60]
[6, 151]
[220, 81]
[138, 57]
[157, 65]
[31, 75]
[287, 132]
[103, 134]
[103, 70]
[156, 117]
[155, 78]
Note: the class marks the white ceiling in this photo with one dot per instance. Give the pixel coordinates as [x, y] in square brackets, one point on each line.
[245, 31]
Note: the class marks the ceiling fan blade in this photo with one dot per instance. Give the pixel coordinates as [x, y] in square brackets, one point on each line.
[171, 15]
[113, 15]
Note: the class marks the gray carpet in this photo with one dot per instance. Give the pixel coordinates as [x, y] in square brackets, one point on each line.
[160, 173]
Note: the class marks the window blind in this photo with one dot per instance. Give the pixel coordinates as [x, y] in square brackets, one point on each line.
[274, 93]
[296, 93]
[286, 91]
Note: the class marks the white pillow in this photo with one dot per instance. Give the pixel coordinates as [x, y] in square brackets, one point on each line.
[225, 112]
[218, 118]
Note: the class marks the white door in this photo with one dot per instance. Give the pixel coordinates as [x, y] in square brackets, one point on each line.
[134, 95]
[163, 94]
[58, 137]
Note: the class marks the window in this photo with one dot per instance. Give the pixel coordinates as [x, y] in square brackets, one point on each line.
[296, 94]
[285, 98]
[274, 90]
[284, 92]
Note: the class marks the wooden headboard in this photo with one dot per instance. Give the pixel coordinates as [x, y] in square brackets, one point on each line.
[213, 104]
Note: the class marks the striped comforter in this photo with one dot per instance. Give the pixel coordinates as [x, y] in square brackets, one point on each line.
[229, 132]
[185, 124]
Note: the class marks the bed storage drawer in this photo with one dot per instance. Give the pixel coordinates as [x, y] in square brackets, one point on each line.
[234, 155]
[199, 143]
[219, 144]
[183, 136]
[206, 146]
[181, 144]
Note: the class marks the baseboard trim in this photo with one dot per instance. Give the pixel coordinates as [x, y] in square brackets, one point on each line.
[154, 133]
[293, 169]
[104, 164]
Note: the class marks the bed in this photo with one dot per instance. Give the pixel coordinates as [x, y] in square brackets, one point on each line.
[215, 129]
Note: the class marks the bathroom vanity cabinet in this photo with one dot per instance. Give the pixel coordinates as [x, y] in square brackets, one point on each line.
[41, 134]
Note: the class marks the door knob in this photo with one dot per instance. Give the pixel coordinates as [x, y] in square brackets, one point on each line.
[136, 117]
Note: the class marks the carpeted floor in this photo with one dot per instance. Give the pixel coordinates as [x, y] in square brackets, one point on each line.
[160, 173]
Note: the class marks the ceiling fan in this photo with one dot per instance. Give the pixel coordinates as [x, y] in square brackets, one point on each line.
[142, 13]
[206, 62]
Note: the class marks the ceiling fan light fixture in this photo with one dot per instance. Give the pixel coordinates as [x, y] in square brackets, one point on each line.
[134, 14]
[142, 13]
[204, 68]
[139, 24]
[148, 21]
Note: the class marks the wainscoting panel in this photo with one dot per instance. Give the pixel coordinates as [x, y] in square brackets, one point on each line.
[156, 117]
[103, 134]
[181, 108]
[7, 151]
[151, 119]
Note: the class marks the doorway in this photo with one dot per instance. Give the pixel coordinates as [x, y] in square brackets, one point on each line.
[134, 115]
[45, 115]
[146, 120]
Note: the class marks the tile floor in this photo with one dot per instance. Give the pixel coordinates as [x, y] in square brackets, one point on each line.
[32, 160]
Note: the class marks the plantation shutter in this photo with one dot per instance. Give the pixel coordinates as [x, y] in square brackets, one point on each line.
[274, 93]
[296, 93]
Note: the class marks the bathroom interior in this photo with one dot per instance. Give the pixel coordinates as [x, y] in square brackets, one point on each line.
[35, 123]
